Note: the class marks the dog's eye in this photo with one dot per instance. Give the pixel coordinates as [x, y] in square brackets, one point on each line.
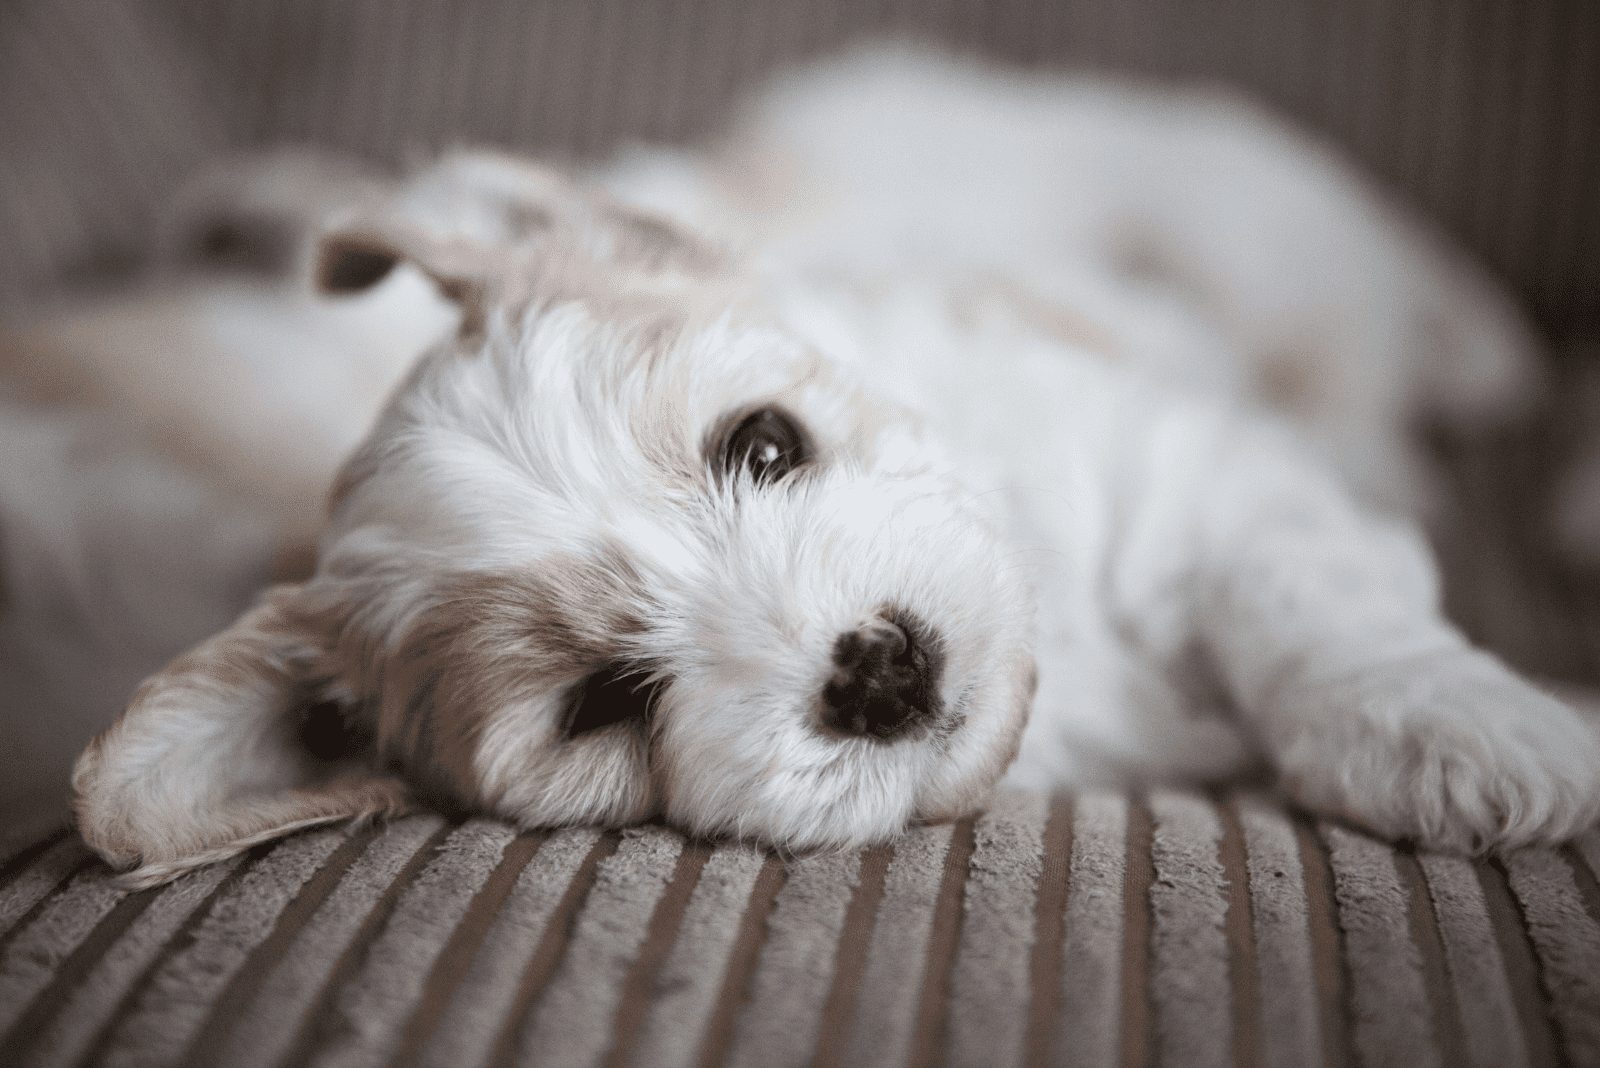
[768, 443]
[614, 694]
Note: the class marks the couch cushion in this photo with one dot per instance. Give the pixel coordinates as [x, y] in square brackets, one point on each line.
[1169, 928]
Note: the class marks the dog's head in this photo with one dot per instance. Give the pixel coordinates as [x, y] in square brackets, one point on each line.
[622, 546]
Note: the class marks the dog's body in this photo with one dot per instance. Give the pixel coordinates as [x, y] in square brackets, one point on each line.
[781, 545]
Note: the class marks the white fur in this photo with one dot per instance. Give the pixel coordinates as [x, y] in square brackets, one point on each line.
[1033, 330]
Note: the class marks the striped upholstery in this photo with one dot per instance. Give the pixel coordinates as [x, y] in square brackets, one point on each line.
[1175, 929]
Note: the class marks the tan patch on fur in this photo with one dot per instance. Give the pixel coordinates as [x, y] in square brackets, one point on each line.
[488, 643]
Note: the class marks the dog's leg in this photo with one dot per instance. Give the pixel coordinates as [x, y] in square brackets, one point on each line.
[205, 761]
[1325, 622]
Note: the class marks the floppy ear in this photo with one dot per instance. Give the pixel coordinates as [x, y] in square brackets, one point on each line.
[355, 258]
[207, 759]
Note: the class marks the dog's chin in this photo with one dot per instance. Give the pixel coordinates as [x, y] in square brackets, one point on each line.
[803, 789]
[855, 799]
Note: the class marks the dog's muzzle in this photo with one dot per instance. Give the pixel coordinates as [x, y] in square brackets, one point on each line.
[884, 680]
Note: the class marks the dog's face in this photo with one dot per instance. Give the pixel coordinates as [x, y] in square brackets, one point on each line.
[625, 546]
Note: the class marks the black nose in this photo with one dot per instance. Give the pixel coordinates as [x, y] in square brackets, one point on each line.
[882, 681]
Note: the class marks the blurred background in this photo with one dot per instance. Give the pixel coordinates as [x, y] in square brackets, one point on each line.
[1482, 114]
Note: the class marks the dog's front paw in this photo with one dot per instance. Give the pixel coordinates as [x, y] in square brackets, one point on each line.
[1451, 749]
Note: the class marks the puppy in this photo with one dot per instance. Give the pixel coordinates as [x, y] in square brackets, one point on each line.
[786, 543]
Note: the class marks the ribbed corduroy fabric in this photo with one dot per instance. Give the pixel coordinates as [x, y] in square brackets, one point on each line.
[1172, 929]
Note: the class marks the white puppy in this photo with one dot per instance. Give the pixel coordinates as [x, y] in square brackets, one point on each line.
[786, 544]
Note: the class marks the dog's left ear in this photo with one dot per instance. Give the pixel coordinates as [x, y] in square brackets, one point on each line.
[208, 760]
[355, 258]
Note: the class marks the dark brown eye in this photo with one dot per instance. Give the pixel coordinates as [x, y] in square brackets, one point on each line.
[616, 693]
[767, 443]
